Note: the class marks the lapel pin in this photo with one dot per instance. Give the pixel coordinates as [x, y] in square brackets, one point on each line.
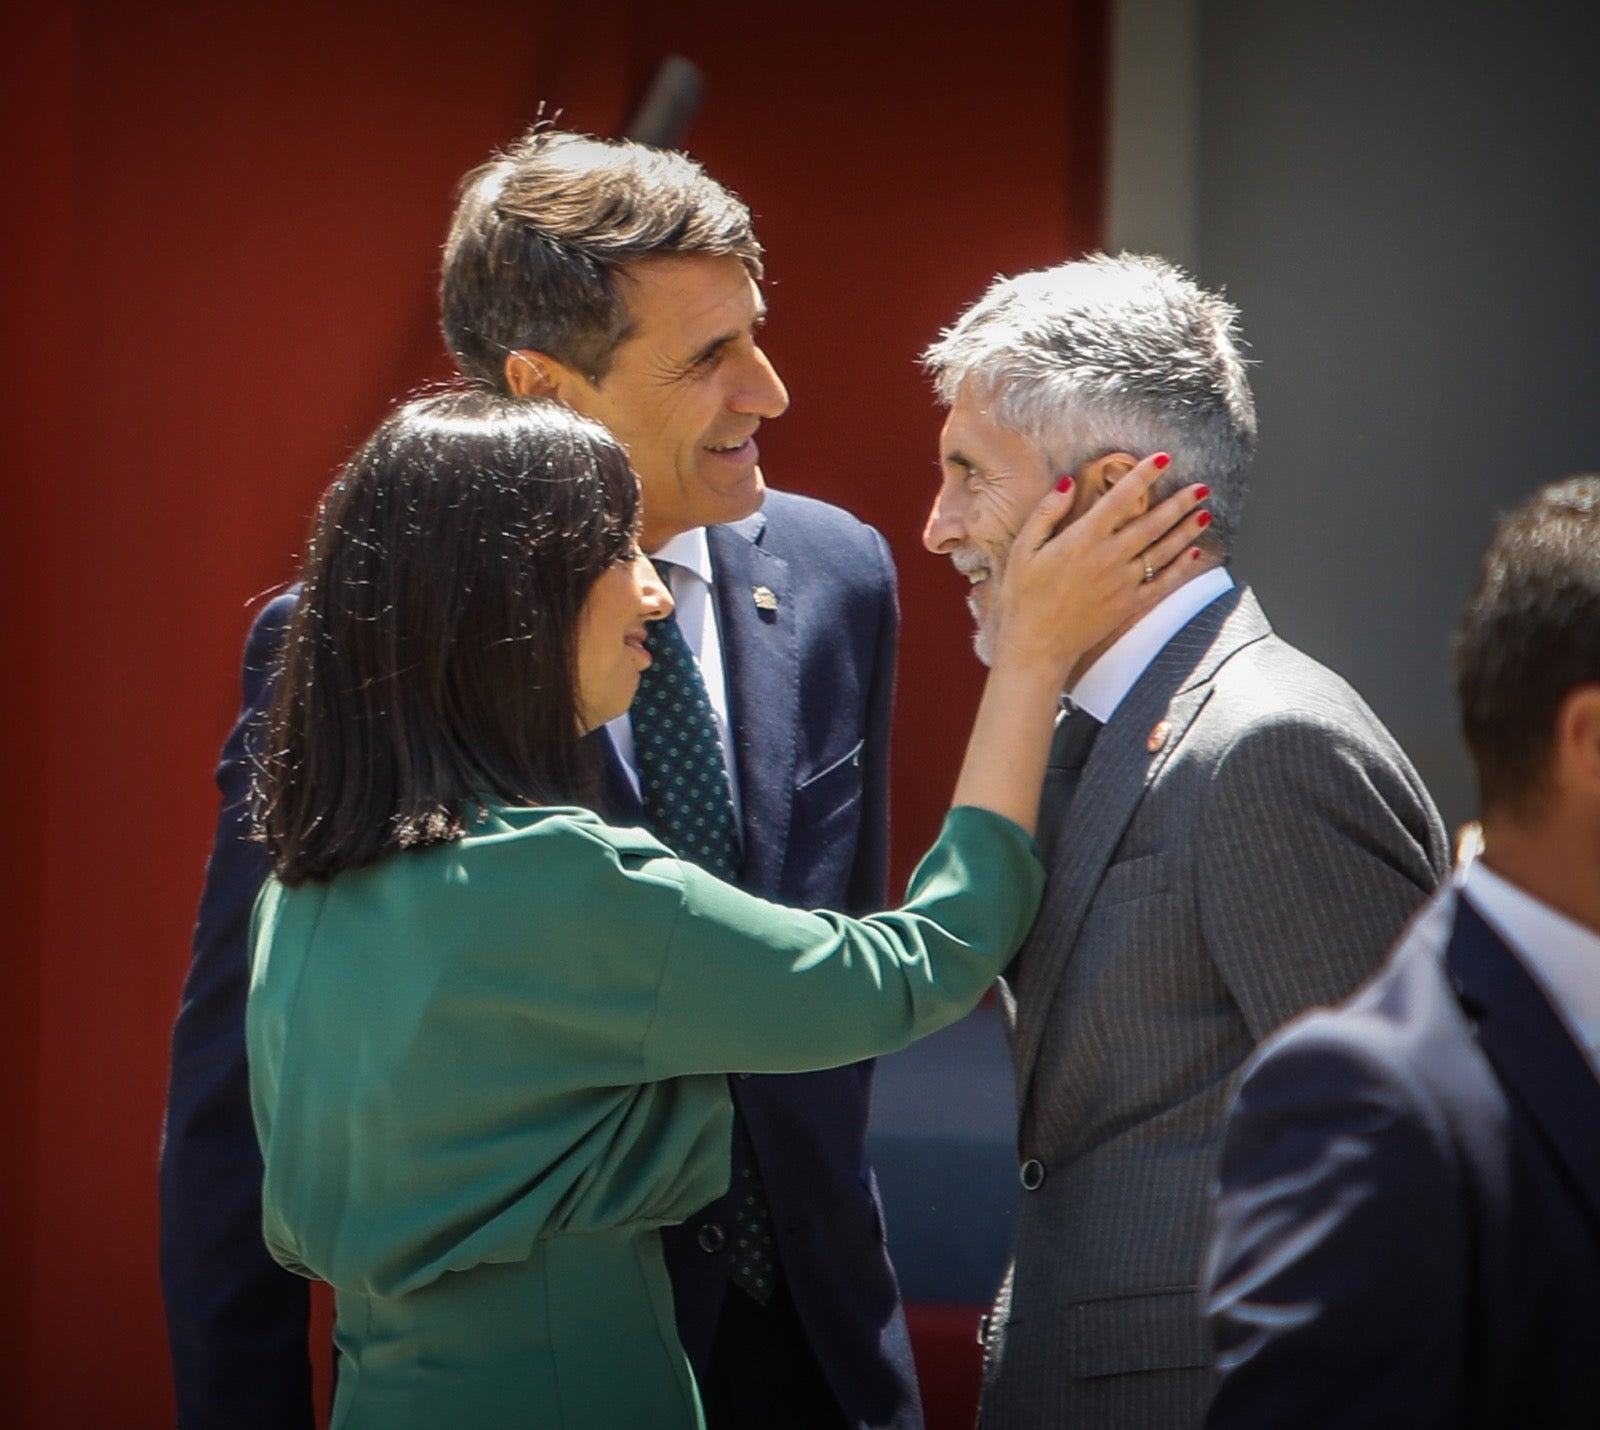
[1158, 736]
[765, 598]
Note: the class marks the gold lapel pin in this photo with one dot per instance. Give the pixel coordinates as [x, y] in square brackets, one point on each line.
[1158, 736]
[765, 598]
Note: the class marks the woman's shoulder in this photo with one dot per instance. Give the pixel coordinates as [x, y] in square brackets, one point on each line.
[570, 825]
[562, 845]
[509, 859]
[562, 871]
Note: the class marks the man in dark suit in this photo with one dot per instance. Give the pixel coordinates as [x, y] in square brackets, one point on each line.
[1230, 832]
[624, 282]
[1408, 1218]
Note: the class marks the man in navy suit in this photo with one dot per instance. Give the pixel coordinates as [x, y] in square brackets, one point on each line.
[623, 282]
[1408, 1222]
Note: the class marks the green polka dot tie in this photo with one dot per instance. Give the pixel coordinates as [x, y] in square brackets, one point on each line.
[684, 787]
[682, 780]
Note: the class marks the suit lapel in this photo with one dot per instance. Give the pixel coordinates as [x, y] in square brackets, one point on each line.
[757, 620]
[1173, 689]
[619, 800]
[1530, 1047]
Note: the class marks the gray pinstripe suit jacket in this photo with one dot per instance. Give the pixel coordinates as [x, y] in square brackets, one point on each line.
[1208, 881]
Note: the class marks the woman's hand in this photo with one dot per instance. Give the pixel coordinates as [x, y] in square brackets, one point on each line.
[1068, 586]
[1066, 589]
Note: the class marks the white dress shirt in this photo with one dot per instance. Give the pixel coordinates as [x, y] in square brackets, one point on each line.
[1562, 955]
[691, 580]
[1102, 687]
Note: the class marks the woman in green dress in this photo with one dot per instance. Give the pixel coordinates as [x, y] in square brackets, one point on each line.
[489, 1033]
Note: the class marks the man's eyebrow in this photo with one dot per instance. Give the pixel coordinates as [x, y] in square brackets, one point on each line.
[712, 348]
[958, 458]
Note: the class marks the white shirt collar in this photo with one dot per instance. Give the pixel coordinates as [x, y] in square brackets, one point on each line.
[688, 549]
[1103, 686]
[1561, 953]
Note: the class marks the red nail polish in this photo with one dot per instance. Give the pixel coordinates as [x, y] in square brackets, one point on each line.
[1194, 553]
[1204, 519]
[1161, 459]
[1064, 485]
[1201, 493]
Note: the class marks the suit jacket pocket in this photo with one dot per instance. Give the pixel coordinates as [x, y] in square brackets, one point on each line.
[830, 791]
[1153, 1330]
[1136, 878]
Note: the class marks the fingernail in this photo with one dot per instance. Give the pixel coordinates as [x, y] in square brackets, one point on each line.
[1194, 553]
[1161, 459]
[1064, 485]
[1204, 519]
[1201, 493]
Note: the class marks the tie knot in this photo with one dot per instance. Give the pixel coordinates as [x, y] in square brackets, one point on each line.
[664, 639]
[1074, 739]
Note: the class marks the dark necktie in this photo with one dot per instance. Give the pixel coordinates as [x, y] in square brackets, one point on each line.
[683, 785]
[683, 782]
[1069, 753]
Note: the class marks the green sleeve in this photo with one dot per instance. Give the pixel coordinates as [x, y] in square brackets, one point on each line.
[753, 986]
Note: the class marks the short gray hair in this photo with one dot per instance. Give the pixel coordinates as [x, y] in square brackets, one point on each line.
[1112, 354]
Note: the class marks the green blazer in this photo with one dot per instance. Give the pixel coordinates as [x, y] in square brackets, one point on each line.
[485, 1074]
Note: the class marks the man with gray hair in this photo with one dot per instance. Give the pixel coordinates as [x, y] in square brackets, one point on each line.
[1231, 834]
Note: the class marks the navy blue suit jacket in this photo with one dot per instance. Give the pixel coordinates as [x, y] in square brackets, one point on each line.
[1408, 1224]
[810, 678]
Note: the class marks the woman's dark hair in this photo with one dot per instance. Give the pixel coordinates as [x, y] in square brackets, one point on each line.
[431, 661]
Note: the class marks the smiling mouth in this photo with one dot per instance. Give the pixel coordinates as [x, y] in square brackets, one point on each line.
[745, 446]
[973, 567]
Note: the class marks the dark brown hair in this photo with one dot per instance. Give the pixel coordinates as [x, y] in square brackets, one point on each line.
[430, 663]
[542, 232]
[1529, 636]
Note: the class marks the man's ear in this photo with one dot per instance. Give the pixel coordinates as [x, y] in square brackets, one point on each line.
[530, 373]
[1577, 743]
[1105, 472]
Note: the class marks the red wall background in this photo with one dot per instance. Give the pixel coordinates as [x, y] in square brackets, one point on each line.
[220, 266]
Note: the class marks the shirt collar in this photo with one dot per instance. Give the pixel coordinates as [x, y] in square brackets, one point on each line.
[1561, 953]
[1102, 687]
[689, 550]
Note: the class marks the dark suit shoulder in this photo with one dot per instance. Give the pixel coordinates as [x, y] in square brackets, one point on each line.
[1266, 699]
[791, 513]
[1355, 1221]
[271, 620]
[1270, 684]
[1316, 839]
[236, 1320]
[1281, 727]
[831, 541]
[262, 646]
[274, 616]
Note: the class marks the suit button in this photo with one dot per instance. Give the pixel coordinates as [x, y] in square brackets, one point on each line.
[712, 1238]
[1032, 1174]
